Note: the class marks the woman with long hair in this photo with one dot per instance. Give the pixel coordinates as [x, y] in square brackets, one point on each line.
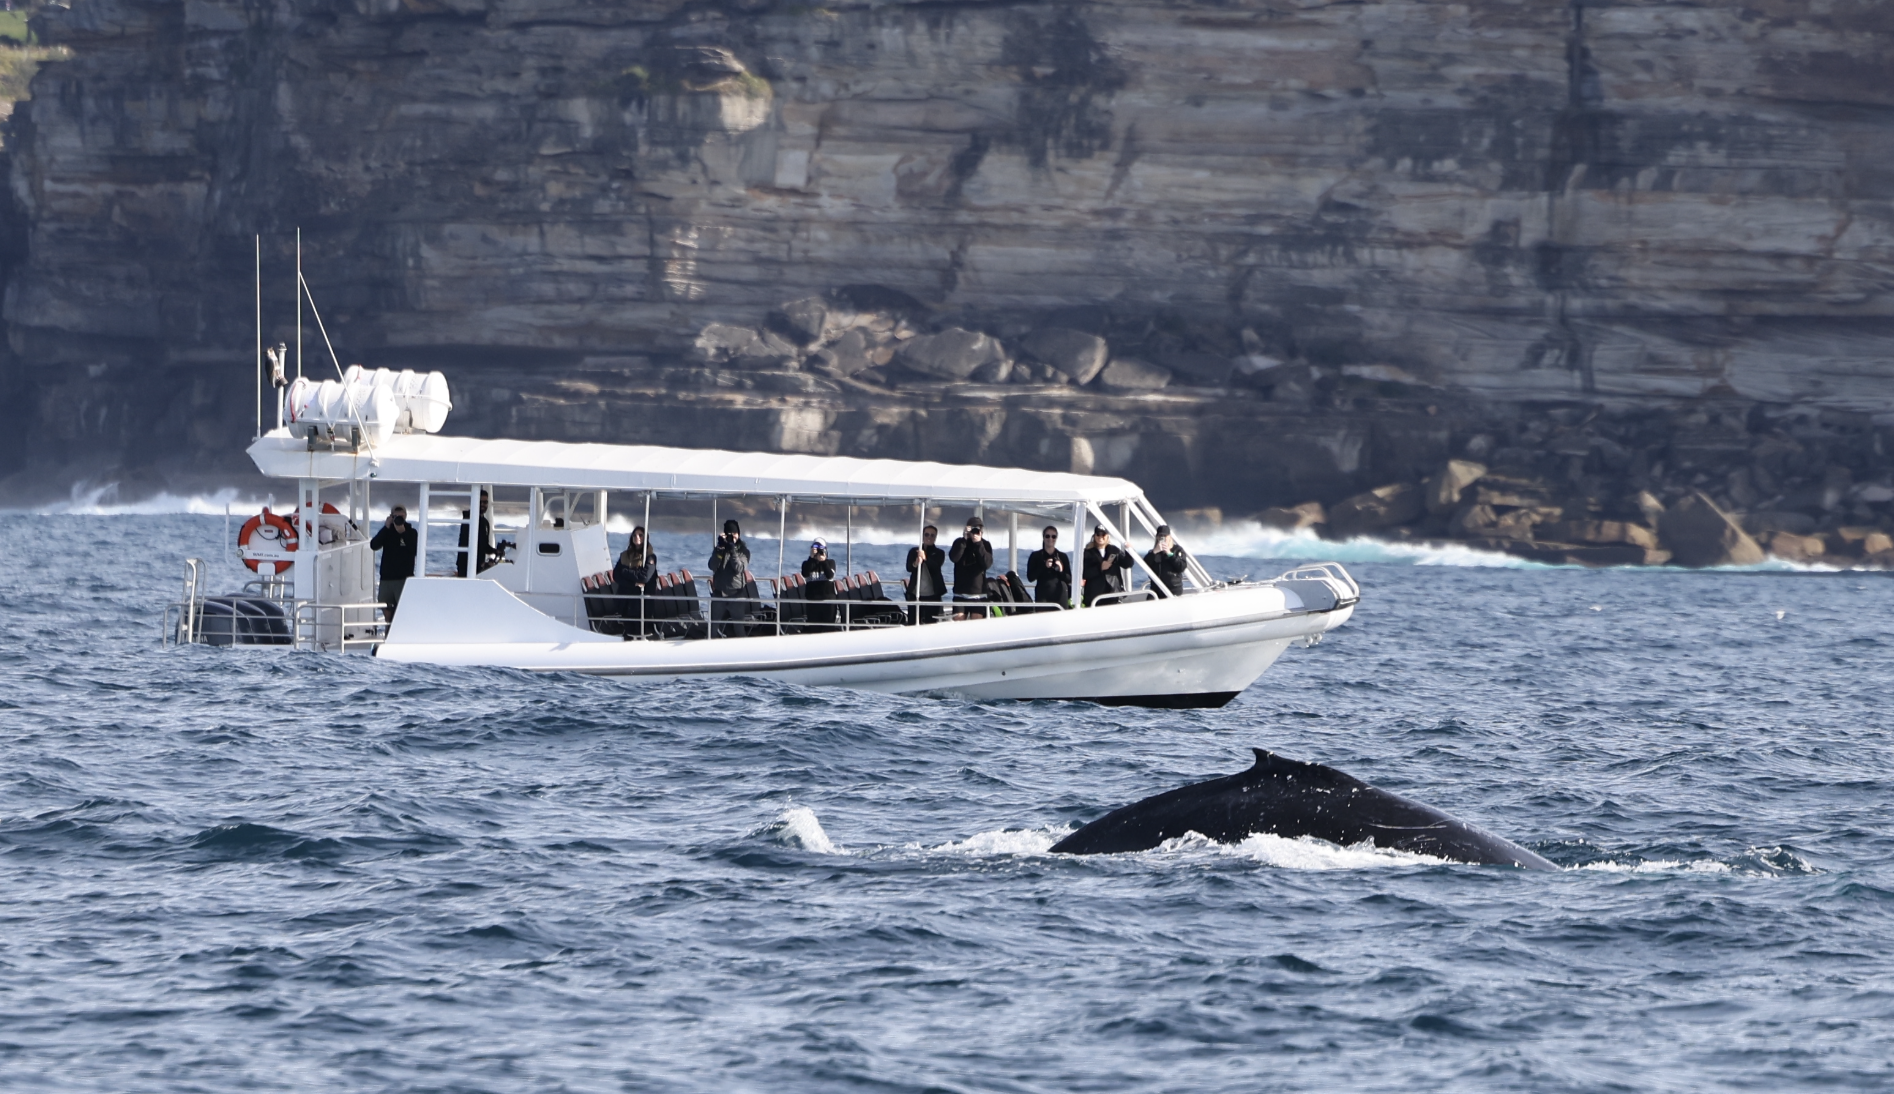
[636, 576]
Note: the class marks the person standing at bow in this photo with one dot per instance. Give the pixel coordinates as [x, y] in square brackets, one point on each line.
[1168, 561]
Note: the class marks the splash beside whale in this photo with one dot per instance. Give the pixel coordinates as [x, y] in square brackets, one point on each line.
[1292, 798]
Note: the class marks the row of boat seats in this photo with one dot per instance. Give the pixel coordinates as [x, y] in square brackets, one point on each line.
[863, 587]
[674, 598]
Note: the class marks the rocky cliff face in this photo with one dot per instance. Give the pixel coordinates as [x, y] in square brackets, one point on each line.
[1318, 246]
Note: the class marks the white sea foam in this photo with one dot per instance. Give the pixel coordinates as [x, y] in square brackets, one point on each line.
[1249, 540]
[799, 828]
[102, 500]
[1300, 853]
[1661, 866]
[1305, 853]
[1005, 841]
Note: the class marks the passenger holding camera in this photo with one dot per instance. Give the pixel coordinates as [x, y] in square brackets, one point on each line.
[1050, 571]
[729, 582]
[818, 575]
[398, 543]
[1168, 561]
[972, 557]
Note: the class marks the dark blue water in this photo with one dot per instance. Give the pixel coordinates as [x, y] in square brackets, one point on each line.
[257, 871]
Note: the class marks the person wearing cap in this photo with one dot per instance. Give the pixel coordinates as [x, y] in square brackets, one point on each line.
[1105, 566]
[818, 572]
[1050, 571]
[925, 583]
[729, 580]
[1168, 561]
[972, 557]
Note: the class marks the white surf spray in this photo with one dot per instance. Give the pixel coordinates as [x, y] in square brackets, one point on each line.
[1300, 853]
[1003, 841]
[1249, 540]
[799, 828]
[1660, 866]
[1305, 853]
[93, 500]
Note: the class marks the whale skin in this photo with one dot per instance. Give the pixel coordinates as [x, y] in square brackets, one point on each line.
[1293, 798]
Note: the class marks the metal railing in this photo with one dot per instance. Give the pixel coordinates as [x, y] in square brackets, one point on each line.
[311, 617]
[682, 615]
[1331, 571]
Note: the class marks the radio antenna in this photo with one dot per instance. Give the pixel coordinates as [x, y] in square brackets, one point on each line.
[299, 302]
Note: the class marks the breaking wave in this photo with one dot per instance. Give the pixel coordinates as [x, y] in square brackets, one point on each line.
[102, 500]
[799, 828]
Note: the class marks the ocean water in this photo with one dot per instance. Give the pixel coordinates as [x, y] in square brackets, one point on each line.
[246, 870]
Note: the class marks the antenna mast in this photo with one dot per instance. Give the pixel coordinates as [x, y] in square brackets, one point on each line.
[259, 337]
[299, 302]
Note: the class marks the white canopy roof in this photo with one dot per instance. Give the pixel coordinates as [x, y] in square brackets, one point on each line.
[420, 457]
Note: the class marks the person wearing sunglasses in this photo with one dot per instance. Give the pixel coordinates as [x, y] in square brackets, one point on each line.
[1050, 571]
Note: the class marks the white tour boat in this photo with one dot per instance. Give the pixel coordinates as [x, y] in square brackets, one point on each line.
[547, 603]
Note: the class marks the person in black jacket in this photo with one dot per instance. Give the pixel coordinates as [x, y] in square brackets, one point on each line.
[729, 581]
[925, 584]
[972, 556]
[1168, 561]
[490, 555]
[1050, 571]
[1105, 566]
[818, 572]
[397, 541]
[636, 576]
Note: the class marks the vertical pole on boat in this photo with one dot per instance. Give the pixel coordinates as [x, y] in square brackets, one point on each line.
[259, 337]
[1079, 547]
[647, 549]
[368, 557]
[299, 303]
[849, 542]
[420, 532]
[1012, 542]
[535, 504]
[920, 561]
[308, 511]
[782, 539]
[711, 608]
[598, 507]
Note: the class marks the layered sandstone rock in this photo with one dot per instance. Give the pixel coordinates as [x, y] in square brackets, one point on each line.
[1324, 246]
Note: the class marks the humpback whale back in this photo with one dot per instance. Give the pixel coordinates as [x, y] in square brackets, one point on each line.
[1292, 798]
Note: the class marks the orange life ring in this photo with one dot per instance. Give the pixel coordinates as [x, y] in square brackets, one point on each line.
[267, 540]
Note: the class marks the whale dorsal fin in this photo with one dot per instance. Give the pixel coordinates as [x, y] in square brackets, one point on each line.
[1270, 763]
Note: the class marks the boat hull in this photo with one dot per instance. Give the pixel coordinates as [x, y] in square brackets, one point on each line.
[1198, 650]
